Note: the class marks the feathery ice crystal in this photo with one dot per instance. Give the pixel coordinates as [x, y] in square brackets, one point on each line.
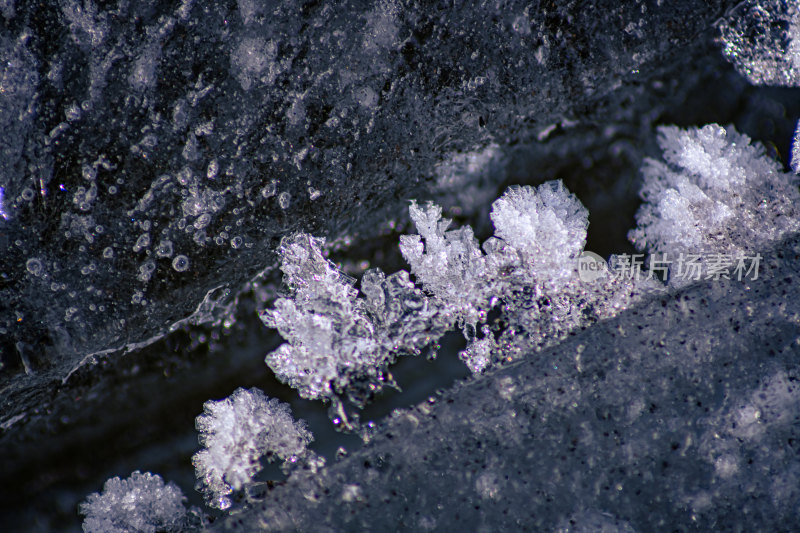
[544, 298]
[715, 192]
[546, 225]
[338, 341]
[236, 432]
[141, 503]
[449, 264]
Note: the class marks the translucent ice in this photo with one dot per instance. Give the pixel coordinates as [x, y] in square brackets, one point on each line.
[763, 42]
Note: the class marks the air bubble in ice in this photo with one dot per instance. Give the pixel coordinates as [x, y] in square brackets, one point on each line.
[283, 200]
[146, 270]
[269, 189]
[180, 263]
[34, 266]
[142, 242]
[164, 248]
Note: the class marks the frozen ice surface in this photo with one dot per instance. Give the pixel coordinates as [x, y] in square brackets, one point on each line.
[236, 433]
[141, 503]
[715, 192]
[762, 40]
[680, 414]
[82, 56]
[172, 118]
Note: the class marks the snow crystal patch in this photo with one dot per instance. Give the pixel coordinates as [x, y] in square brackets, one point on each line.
[141, 503]
[709, 177]
[236, 432]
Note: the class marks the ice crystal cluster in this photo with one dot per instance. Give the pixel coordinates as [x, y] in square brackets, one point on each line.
[449, 264]
[546, 226]
[236, 433]
[529, 268]
[141, 503]
[335, 339]
[543, 231]
[714, 193]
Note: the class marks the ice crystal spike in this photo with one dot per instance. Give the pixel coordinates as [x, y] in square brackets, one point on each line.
[236, 432]
[141, 503]
[795, 161]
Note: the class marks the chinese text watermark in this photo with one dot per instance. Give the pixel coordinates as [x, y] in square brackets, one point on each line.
[683, 267]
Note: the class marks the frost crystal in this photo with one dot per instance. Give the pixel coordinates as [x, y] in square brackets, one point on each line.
[715, 192]
[140, 504]
[236, 432]
[340, 343]
[337, 340]
[530, 265]
[478, 354]
[544, 298]
[546, 225]
[449, 264]
[763, 42]
[328, 332]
